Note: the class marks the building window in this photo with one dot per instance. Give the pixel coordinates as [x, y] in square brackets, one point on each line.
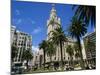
[55, 58]
[64, 57]
[19, 44]
[68, 58]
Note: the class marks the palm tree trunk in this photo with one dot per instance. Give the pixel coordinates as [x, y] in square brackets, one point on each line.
[44, 59]
[80, 51]
[71, 62]
[61, 54]
[40, 61]
[27, 64]
[50, 61]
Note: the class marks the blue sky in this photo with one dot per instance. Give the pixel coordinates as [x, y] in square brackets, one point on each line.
[31, 17]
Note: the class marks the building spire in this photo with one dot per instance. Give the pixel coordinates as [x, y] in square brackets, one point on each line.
[53, 11]
[53, 5]
[53, 8]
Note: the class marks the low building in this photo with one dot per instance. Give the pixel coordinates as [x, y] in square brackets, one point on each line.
[22, 40]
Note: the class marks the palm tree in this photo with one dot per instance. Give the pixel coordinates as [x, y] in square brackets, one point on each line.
[58, 38]
[27, 55]
[70, 51]
[77, 55]
[43, 46]
[51, 50]
[40, 59]
[76, 48]
[87, 13]
[76, 30]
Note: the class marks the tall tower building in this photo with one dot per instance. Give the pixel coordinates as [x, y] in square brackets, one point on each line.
[53, 22]
[91, 51]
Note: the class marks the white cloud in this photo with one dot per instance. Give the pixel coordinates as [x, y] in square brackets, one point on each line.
[33, 22]
[19, 21]
[17, 12]
[37, 30]
[35, 48]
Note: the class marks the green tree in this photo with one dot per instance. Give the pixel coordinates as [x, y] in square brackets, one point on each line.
[70, 51]
[86, 13]
[27, 55]
[43, 46]
[13, 52]
[76, 30]
[58, 38]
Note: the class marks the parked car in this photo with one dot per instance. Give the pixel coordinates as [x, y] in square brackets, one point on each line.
[93, 67]
[66, 67]
[90, 66]
[35, 68]
[71, 68]
[17, 68]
